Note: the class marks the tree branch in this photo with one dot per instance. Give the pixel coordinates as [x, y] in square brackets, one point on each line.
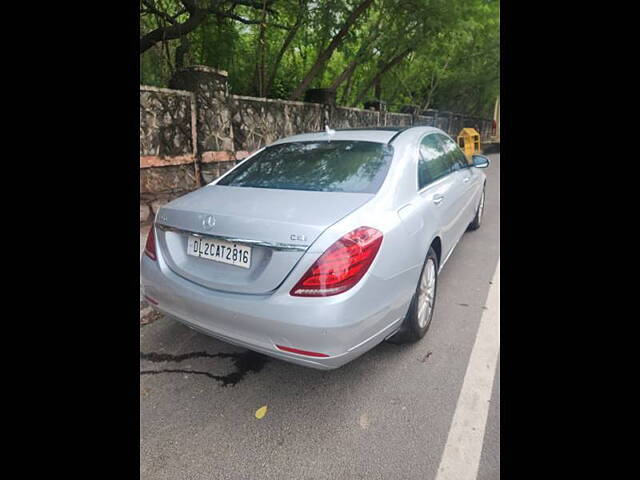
[257, 5]
[151, 8]
[290, 36]
[326, 54]
[176, 30]
[246, 21]
[197, 15]
[364, 48]
[384, 69]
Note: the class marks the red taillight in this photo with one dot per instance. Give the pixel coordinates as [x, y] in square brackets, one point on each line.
[494, 126]
[341, 266]
[301, 352]
[150, 247]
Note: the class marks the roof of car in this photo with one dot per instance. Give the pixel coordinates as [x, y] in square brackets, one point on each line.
[373, 134]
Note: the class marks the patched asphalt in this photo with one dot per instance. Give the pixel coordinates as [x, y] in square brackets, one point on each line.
[385, 415]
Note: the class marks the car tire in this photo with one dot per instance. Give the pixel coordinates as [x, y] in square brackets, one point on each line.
[417, 322]
[477, 220]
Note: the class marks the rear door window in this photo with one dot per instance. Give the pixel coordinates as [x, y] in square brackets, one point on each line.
[433, 163]
[336, 166]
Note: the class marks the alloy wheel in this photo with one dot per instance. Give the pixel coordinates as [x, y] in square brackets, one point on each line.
[427, 290]
[481, 208]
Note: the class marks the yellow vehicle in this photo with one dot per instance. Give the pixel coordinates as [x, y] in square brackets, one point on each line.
[469, 141]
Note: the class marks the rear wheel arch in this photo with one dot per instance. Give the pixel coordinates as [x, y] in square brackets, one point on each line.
[436, 244]
[412, 328]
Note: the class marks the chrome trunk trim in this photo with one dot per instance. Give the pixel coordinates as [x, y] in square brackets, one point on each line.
[287, 247]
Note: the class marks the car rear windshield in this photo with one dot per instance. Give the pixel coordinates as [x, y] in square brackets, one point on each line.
[328, 166]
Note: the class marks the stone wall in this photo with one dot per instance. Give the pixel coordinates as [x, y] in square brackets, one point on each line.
[165, 122]
[211, 93]
[167, 147]
[196, 131]
[345, 117]
[423, 120]
[442, 121]
[397, 119]
[260, 121]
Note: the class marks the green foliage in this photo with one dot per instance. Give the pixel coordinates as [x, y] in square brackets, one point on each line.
[453, 63]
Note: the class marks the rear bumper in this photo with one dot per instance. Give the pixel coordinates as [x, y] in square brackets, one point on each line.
[343, 326]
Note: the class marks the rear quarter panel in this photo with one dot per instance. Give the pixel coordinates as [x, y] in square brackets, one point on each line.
[391, 281]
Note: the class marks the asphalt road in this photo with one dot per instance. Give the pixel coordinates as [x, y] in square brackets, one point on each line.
[385, 415]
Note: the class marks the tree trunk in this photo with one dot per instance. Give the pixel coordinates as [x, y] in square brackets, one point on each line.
[378, 89]
[348, 86]
[347, 72]
[196, 16]
[388, 66]
[182, 53]
[260, 55]
[434, 84]
[290, 36]
[326, 54]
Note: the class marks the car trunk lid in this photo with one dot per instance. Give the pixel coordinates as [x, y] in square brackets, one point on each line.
[279, 225]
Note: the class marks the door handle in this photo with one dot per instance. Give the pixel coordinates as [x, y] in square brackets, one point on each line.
[466, 179]
[437, 198]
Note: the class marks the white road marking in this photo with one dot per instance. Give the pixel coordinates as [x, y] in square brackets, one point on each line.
[461, 457]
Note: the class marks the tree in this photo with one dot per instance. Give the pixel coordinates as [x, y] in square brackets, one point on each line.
[196, 11]
[441, 54]
[383, 68]
[302, 10]
[325, 55]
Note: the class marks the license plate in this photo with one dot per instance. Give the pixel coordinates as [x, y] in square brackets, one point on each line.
[219, 251]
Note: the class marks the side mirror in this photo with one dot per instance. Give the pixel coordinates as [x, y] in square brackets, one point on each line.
[480, 161]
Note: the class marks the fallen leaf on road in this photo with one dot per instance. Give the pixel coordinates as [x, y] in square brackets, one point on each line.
[424, 359]
[261, 412]
[150, 317]
[364, 421]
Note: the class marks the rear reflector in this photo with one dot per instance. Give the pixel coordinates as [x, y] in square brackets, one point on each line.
[150, 247]
[301, 352]
[342, 265]
[151, 300]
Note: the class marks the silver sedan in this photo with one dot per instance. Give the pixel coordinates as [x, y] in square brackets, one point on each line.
[319, 246]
